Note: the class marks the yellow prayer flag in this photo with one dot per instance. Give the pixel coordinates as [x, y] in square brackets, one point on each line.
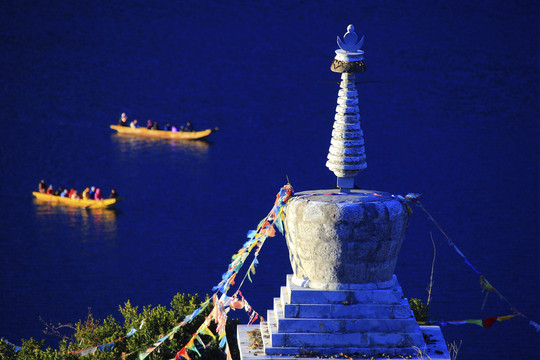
[206, 331]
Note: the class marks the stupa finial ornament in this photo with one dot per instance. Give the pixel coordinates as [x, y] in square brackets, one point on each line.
[346, 156]
[350, 39]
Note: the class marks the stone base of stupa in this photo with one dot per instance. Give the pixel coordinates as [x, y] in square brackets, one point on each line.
[370, 322]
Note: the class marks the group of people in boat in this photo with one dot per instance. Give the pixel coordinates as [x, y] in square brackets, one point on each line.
[153, 125]
[90, 193]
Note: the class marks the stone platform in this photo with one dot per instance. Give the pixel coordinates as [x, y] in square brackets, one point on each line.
[368, 322]
[251, 349]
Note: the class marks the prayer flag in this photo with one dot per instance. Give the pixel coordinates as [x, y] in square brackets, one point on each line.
[475, 321]
[198, 338]
[108, 346]
[223, 341]
[182, 354]
[89, 351]
[488, 321]
[271, 231]
[191, 345]
[206, 331]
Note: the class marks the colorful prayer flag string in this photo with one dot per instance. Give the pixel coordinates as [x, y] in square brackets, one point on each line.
[484, 283]
[224, 304]
[108, 346]
[485, 323]
[265, 229]
[15, 347]
[144, 353]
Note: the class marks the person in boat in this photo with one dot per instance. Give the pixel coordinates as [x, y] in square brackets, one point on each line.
[114, 194]
[64, 193]
[98, 195]
[174, 129]
[155, 126]
[167, 127]
[50, 190]
[42, 186]
[86, 193]
[189, 127]
[133, 124]
[123, 120]
[75, 195]
[92, 192]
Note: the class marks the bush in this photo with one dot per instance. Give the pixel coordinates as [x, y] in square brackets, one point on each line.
[158, 321]
[419, 309]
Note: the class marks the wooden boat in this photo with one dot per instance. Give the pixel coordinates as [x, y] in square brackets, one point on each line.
[82, 203]
[183, 135]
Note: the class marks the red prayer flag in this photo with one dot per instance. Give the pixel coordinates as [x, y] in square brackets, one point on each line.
[488, 321]
[182, 354]
[271, 231]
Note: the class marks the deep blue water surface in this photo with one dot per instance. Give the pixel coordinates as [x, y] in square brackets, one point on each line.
[455, 117]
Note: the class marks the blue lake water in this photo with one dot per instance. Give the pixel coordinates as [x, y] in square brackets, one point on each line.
[455, 117]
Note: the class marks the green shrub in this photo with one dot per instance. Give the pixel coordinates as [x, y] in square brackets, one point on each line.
[158, 321]
[419, 309]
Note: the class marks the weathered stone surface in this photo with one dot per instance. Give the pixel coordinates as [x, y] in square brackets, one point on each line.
[344, 239]
[340, 311]
[290, 325]
[344, 340]
[347, 119]
[348, 66]
[346, 155]
[436, 349]
[359, 323]
[294, 294]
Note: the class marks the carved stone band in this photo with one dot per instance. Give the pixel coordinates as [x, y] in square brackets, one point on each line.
[348, 66]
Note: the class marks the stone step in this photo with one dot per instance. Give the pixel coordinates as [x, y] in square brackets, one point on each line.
[339, 311]
[348, 340]
[284, 295]
[436, 349]
[295, 294]
[269, 327]
[342, 339]
[274, 316]
[359, 353]
[319, 349]
[289, 325]
[378, 285]
[308, 325]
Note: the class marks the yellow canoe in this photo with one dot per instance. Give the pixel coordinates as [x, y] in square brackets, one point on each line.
[184, 135]
[82, 203]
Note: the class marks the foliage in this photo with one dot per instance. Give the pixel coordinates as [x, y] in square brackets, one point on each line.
[30, 350]
[156, 322]
[419, 309]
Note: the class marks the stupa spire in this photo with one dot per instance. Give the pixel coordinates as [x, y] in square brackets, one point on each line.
[346, 156]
